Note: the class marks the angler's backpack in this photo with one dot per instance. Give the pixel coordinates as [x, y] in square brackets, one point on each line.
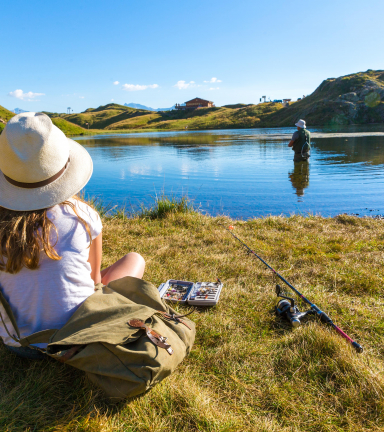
[123, 336]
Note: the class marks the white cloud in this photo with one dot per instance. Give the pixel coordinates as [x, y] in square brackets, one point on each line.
[214, 88]
[112, 100]
[19, 94]
[81, 97]
[213, 80]
[116, 83]
[182, 85]
[137, 87]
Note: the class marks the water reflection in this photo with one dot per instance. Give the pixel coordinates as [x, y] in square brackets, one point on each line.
[236, 172]
[299, 178]
[368, 150]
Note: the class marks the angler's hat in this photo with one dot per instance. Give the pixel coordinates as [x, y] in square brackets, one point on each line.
[40, 166]
[301, 124]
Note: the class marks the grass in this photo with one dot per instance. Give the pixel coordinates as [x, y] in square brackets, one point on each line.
[165, 206]
[248, 370]
[5, 115]
[69, 128]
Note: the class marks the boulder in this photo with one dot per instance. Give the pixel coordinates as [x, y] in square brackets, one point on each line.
[351, 97]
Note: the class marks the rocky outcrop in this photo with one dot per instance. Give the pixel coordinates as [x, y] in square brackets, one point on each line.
[352, 99]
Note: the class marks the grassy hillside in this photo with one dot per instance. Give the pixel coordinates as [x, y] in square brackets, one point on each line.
[5, 115]
[104, 116]
[118, 117]
[67, 127]
[248, 370]
[351, 99]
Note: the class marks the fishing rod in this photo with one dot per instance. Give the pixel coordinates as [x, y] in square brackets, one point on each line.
[290, 310]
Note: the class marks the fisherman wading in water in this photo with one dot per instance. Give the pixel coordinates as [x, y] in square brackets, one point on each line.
[301, 142]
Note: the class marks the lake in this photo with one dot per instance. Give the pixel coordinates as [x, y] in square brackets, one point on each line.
[242, 173]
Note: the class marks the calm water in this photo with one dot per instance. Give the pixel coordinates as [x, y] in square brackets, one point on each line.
[239, 173]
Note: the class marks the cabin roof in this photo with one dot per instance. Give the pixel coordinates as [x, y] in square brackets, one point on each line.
[199, 99]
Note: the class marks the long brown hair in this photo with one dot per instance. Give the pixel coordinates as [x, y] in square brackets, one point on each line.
[25, 234]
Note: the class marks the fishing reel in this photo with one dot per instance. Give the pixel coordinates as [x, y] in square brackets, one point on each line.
[287, 309]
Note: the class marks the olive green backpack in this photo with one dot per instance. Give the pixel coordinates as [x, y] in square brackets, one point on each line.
[123, 336]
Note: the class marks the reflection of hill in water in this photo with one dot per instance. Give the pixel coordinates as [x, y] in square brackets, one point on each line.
[190, 139]
[196, 146]
[368, 150]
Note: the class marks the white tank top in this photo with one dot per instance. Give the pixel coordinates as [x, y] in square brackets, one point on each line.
[47, 297]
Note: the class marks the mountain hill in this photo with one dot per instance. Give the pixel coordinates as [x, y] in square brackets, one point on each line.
[352, 99]
[104, 116]
[120, 117]
[5, 115]
[67, 127]
[139, 106]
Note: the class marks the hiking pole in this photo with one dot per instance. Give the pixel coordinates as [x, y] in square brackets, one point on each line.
[322, 315]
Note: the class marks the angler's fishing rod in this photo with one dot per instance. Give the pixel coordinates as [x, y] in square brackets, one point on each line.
[322, 315]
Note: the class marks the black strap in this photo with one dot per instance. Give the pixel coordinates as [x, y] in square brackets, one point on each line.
[306, 143]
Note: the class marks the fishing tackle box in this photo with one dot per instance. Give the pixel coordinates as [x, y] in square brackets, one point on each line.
[198, 293]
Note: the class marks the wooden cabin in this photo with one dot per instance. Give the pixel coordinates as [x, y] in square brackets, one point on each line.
[286, 102]
[195, 103]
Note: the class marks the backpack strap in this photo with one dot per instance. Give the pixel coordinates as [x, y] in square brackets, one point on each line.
[305, 144]
[11, 317]
[38, 337]
[42, 336]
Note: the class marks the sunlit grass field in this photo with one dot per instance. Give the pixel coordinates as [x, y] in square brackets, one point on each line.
[248, 370]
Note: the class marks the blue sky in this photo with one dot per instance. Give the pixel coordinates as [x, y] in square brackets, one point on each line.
[56, 55]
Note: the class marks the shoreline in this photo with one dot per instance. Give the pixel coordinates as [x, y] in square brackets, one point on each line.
[277, 136]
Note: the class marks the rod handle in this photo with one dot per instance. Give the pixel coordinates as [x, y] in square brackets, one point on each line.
[357, 347]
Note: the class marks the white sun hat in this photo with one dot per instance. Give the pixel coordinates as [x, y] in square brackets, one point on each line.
[301, 124]
[39, 165]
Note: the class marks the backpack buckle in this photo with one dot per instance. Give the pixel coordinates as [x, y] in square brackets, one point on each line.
[153, 336]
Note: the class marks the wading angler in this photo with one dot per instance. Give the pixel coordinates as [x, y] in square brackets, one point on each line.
[301, 142]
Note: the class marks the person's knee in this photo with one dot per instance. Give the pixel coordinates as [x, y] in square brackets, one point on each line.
[135, 256]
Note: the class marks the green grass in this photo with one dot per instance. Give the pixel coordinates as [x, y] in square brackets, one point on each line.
[5, 114]
[248, 370]
[68, 128]
[165, 206]
[64, 125]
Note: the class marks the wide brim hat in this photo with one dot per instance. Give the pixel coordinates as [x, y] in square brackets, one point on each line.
[39, 166]
[301, 124]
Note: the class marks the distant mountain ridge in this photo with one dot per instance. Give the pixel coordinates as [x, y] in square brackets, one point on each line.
[19, 111]
[139, 106]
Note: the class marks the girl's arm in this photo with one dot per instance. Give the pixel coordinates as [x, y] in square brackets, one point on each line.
[95, 258]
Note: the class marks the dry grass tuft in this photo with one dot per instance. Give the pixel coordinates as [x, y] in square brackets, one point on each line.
[248, 371]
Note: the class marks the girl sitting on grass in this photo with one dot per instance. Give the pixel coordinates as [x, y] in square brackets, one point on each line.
[51, 241]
